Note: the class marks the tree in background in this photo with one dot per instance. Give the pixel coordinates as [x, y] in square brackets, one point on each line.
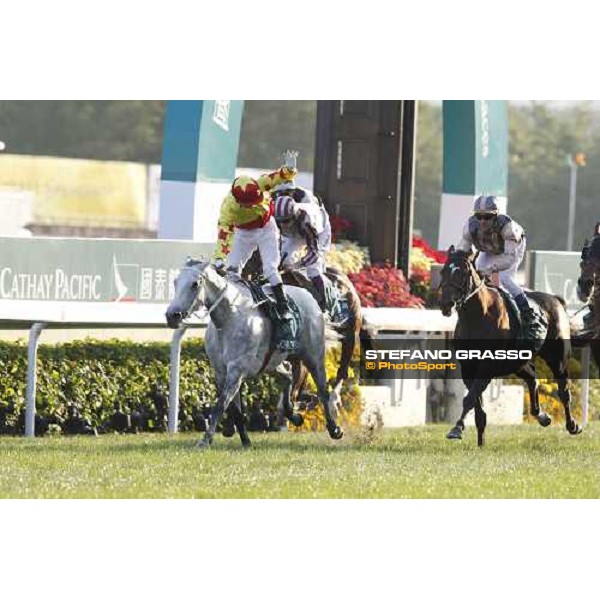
[541, 137]
[105, 130]
[270, 127]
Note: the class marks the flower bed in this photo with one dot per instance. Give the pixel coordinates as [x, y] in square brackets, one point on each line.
[384, 285]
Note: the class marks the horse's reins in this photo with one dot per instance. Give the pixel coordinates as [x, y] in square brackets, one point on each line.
[194, 309]
[461, 303]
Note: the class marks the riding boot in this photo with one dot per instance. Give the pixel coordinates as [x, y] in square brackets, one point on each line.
[319, 287]
[283, 308]
[530, 325]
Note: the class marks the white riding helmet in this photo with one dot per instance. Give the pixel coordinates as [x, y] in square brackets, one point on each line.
[285, 188]
[486, 205]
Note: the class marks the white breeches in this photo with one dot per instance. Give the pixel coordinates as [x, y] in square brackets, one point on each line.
[507, 267]
[266, 239]
[291, 246]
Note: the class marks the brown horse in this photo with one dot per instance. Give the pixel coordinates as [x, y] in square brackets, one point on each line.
[483, 318]
[588, 283]
[349, 331]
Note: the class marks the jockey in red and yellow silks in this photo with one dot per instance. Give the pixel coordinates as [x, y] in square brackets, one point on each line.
[246, 223]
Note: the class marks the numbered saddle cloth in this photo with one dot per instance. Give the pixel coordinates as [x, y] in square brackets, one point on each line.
[286, 334]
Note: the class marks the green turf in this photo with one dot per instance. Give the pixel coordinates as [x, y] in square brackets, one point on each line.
[518, 462]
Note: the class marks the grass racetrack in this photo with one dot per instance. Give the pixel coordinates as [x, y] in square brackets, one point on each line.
[523, 461]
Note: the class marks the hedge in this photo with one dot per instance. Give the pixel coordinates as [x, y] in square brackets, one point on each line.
[95, 386]
[98, 386]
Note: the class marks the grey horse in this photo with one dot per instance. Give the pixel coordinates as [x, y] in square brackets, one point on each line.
[239, 344]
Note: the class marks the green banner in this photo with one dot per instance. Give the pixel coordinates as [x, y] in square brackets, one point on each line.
[201, 139]
[555, 273]
[89, 270]
[475, 147]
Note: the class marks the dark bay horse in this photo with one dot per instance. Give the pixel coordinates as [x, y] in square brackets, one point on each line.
[483, 318]
[588, 283]
[349, 331]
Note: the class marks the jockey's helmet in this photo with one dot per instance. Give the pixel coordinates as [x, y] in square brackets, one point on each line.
[486, 205]
[284, 189]
[246, 191]
[285, 209]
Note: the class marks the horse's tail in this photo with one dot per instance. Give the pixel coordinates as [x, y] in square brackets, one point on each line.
[332, 336]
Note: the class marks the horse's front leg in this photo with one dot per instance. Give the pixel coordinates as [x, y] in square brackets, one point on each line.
[476, 388]
[233, 381]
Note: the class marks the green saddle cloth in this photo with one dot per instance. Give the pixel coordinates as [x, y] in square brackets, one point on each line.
[286, 333]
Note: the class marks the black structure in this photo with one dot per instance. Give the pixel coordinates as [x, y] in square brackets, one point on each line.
[365, 156]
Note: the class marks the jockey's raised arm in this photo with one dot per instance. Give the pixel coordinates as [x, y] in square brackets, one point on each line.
[246, 223]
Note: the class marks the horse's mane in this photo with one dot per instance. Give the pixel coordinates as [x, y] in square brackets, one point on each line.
[594, 251]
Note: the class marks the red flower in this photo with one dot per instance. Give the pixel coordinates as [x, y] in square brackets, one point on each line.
[383, 285]
[437, 255]
[338, 226]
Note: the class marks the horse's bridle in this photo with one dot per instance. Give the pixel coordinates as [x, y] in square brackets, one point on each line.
[460, 304]
[195, 306]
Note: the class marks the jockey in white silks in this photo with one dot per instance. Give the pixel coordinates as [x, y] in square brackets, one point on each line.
[305, 227]
[501, 244]
[246, 223]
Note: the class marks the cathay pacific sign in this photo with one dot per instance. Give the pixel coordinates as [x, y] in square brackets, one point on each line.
[48, 286]
[92, 270]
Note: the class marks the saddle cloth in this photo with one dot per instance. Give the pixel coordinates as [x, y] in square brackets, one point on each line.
[516, 325]
[285, 334]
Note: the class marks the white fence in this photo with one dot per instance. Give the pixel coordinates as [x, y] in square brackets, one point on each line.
[37, 316]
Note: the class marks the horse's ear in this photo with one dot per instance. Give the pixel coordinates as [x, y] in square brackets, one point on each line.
[585, 250]
[452, 249]
[597, 228]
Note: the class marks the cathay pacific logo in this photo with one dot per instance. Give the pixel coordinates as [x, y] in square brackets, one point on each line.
[124, 280]
[221, 113]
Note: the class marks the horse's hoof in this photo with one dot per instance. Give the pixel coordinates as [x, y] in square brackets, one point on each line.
[296, 420]
[246, 444]
[454, 434]
[544, 420]
[574, 429]
[337, 433]
[228, 431]
[202, 445]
